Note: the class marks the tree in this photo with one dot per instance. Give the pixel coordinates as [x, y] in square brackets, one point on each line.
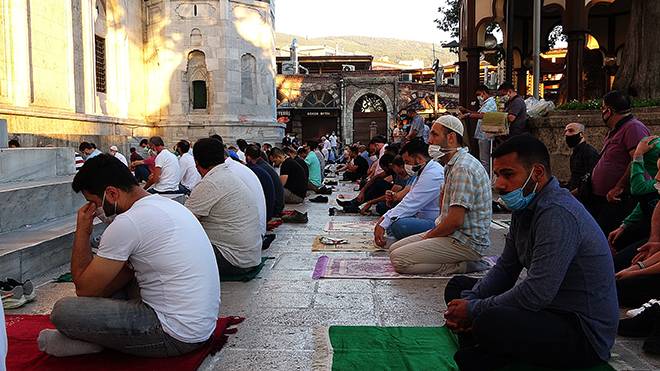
[449, 17]
[639, 71]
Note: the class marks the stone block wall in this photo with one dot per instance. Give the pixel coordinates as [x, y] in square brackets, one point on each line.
[550, 130]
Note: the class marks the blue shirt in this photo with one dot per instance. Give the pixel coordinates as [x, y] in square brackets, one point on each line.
[423, 199]
[569, 267]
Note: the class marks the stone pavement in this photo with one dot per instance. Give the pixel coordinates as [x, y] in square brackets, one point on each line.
[284, 305]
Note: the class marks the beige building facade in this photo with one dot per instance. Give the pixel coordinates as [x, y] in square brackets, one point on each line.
[115, 71]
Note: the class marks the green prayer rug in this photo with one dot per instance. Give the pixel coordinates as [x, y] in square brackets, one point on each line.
[343, 348]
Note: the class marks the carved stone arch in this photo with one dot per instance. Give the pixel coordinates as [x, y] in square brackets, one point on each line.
[198, 81]
[348, 111]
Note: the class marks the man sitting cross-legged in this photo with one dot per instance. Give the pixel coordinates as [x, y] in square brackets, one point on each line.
[292, 176]
[564, 312]
[222, 203]
[460, 235]
[417, 211]
[153, 288]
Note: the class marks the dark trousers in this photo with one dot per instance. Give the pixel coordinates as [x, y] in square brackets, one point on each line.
[142, 173]
[609, 216]
[623, 258]
[635, 291]
[351, 176]
[506, 335]
[225, 267]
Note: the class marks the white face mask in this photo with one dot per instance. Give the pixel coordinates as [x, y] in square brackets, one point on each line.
[409, 169]
[100, 213]
[436, 152]
[657, 186]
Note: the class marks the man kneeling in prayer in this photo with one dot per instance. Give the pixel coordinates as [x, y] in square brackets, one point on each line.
[151, 290]
[564, 313]
[460, 236]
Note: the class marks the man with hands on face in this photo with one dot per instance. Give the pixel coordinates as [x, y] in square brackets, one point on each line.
[564, 313]
[461, 233]
[154, 277]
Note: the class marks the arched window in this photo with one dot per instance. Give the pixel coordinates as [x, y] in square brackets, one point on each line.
[100, 31]
[248, 78]
[369, 103]
[198, 78]
[195, 37]
[319, 99]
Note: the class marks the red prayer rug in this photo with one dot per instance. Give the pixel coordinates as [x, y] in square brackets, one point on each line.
[24, 354]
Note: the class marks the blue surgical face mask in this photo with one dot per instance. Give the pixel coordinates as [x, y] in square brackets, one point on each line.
[515, 200]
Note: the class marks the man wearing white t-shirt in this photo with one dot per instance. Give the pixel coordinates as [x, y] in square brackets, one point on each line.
[226, 209]
[167, 174]
[115, 152]
[153, 243]
[189, 174]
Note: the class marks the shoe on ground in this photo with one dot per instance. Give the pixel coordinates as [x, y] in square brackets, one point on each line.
[28, 288]
[633, 312]
[12, 298]
[332, 211]
[352, 209]
[267, 240]
[344, 203]
[331, 182]
[298, 217]
[642, 324]
[324, 191]
[319, 199]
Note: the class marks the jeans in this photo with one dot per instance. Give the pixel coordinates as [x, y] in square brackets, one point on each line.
[610, 215]
[405, 227]
[127, 326]
[503, 335]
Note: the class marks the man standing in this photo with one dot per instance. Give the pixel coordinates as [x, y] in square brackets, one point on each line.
[610, 201]
[189, 174]
[292, 177]
[416, 123]
[114, 151]
[417, 212]
[229, 215]
[583, 158]
[487, 104]
[333, 143]
[516, 109]
[166, 175]
[461, 233]
[153, 278]
[564, 312]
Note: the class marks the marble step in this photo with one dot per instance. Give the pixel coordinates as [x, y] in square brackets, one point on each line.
[32, 251]
[26, 164]
[33, 202]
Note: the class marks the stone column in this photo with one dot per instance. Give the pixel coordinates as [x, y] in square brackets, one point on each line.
[471, 80]
[574, 60]
[4, 135]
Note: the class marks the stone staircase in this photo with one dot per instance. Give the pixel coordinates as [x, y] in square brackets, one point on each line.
[37, 210]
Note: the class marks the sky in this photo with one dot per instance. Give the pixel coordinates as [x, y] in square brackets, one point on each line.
[406, 20]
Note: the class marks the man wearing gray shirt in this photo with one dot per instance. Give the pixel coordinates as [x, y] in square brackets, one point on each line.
[564, 312]
[516, 109]
[416, 124]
